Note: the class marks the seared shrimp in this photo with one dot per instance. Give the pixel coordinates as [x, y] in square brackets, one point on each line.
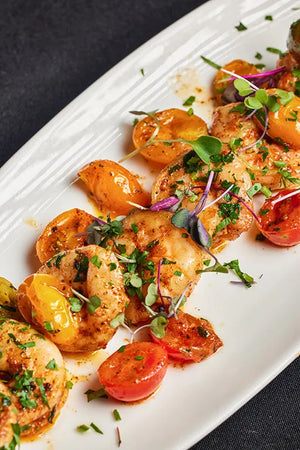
[77, 321]
[178, 175]
[8, 415]
[182, 258]
[36, 379]
[232, 127]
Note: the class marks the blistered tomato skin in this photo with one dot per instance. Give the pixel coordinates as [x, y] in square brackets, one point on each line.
[123, 186]
[280, 222]
[134, 371]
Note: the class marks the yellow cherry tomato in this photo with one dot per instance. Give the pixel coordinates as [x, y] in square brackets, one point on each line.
[173, 124]
[63, 233]
[112, 186]
[238, 66]
[42, 299]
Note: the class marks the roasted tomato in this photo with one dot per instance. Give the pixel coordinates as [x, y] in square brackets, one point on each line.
[284, 124]
[174, 124]
[188, 338]
[280, 222]
[112, 186]
[237, 66]
[134, 371]
[63, 233]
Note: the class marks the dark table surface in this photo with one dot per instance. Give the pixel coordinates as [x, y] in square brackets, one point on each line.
[50, 51]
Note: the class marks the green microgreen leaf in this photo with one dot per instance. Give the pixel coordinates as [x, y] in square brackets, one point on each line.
[158, 325]
[152, 294]
[118, 320]
[95, 428]
[93, 304]
[76, 304]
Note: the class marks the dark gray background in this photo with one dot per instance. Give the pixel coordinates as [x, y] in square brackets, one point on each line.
[50, 51]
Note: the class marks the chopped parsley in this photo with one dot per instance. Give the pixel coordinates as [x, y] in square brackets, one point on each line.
[240, 27]
[189, 101]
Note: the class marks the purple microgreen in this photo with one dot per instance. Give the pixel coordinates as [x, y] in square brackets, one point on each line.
[166, 203]
[253, 76]
[244, 203]
[241, 282]
[291, 194]
[201, 204]
[100, 221]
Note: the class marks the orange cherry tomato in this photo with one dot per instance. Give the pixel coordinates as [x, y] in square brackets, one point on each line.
[134, 371]
[188, 338]
[112, 186]
[174, 124]
[285, 123]
[62, 233]
[280, 222]
[237, 66]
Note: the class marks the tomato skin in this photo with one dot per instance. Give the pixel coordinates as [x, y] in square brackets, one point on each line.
[174, 123]
[281, 224]
[134, 373]
[123, 186]
[183, 342]
[285, 123]
[63, 233]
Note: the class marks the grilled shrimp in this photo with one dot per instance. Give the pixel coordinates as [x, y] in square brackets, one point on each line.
[178, 174]
[182, 258]
[75, 323]
[232, 127]
[8, 415]
[36, 380]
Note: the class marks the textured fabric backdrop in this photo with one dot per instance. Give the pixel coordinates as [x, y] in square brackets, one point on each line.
[50, 51]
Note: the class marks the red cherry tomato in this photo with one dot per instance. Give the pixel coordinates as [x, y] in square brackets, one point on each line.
[135, 372]
[280, 222]
[189, 338]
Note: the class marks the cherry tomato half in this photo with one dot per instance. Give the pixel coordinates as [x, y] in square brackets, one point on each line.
[134, 371]
[280, 222]
[112, 186]
[63, 233]
[174, 124]
[189, 338]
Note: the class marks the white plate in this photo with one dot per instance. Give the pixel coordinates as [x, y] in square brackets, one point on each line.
[259, 326]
